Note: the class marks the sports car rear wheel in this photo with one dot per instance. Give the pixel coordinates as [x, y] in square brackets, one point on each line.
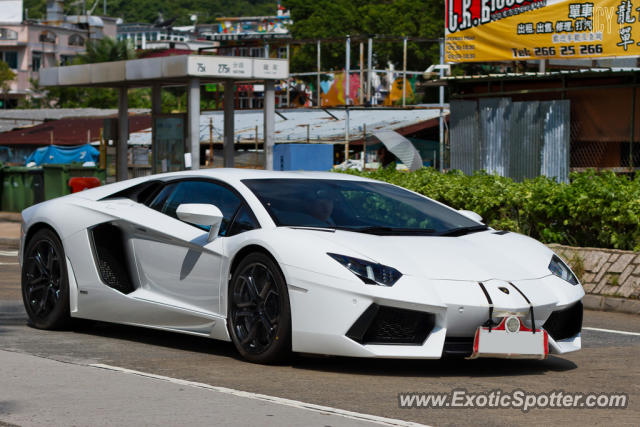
[45, 287]
[259, 311]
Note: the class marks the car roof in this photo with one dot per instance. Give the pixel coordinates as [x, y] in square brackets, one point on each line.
[240, 174]
[233, 176]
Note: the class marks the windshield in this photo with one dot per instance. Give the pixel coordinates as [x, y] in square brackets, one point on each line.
[371, 207]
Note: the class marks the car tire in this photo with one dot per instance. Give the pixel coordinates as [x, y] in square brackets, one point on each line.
[45, 283]
[259, 312]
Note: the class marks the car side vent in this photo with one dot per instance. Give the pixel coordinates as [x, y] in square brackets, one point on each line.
[390, 325]
[501, 232]
[108, 242]
[565, 323]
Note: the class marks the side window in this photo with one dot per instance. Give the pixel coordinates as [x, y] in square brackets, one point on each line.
[160, 200]
[244, 221]
[203, 192]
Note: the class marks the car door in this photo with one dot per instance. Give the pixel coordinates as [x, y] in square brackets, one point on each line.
[184, 269]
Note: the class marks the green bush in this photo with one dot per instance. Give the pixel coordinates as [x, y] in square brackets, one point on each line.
[595, 209]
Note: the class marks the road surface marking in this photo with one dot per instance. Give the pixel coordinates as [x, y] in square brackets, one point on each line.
[8, 253]
[613, 331]
[273, 399]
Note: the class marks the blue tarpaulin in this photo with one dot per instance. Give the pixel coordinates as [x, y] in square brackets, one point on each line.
[55, 154]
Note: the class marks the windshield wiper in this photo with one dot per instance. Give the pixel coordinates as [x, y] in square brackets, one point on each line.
[461, 231]
[380, 230]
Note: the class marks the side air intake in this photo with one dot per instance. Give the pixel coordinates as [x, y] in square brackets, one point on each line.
[109, 251]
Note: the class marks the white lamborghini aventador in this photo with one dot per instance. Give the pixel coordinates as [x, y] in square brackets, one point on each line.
[281, 262]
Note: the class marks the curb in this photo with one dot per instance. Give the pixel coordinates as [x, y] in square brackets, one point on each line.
[11, 216]
[619, 305]
[9, 243]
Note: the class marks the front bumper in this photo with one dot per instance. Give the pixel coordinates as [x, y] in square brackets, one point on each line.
[325, 310]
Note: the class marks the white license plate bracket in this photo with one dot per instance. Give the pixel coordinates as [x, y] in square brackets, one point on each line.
[499, 342]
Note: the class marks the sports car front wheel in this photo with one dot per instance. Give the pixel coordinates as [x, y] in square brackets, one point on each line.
[259, 311]
[45, 288]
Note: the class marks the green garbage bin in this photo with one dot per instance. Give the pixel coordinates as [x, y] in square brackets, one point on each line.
[21, 187]
[56, 177]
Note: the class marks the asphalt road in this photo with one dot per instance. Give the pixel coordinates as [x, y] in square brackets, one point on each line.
[608, 362]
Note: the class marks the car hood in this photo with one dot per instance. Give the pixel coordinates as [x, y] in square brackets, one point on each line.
[477, 256]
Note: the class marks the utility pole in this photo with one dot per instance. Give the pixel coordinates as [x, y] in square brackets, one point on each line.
[347, 81]
[288, 79]
[441, 102]
[318, 89]
[211, 142]
[364, 147]
[404, 72]
[369, 60]
[361, 91]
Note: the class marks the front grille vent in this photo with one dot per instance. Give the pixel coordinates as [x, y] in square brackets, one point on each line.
[390, 325]
[565, 323]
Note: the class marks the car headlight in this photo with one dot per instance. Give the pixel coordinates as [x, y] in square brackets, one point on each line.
[370, 273]
[560, 269]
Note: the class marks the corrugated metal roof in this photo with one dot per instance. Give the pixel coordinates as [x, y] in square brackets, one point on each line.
[528, 75]
[13, 119]
[70, 131]
[291, 125]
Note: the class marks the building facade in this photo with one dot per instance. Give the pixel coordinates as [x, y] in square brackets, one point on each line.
[29, 45]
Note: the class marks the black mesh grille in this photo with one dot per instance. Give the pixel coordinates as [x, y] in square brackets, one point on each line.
[566, 323]
[389, 325]
[112, 275]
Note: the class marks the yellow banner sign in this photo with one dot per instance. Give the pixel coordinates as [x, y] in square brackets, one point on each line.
[510, 30]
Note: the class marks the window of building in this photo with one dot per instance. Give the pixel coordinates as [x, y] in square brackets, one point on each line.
[36, 61]
[47, 37]
[257, 52]
[66, 59]
[11, 58]
[244, 100]
[7, 34]
[76, 40]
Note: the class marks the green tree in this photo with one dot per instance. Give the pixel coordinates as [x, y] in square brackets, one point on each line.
[338, 18]
[174, 99]
[105, 50]
[6, 76]
[147, 10]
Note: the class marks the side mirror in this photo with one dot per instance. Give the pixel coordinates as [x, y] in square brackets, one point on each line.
[201, 214]
[471, 215]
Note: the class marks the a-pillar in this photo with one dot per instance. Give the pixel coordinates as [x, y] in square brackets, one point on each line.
[269, 122]
[193, 119]
[122, 163]
[229, 131]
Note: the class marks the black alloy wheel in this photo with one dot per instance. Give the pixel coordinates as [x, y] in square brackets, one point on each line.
[45, 287]
[259, 312]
